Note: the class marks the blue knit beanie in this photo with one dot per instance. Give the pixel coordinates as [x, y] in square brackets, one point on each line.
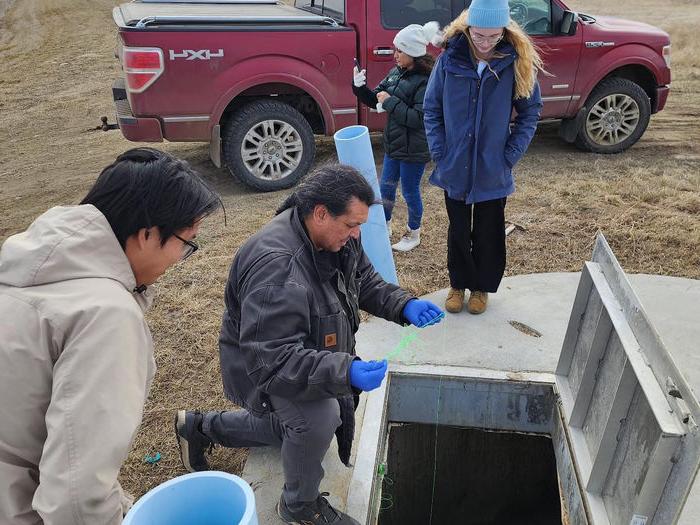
[489, 14]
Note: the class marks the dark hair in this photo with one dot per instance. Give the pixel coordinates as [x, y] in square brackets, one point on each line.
[333, 186]
[424, 64]
[145, 187]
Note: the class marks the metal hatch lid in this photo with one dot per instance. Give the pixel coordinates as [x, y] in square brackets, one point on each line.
[630, 414]
[658, 358]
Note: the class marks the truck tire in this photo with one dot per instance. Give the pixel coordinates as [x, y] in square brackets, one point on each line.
[617, 114]
[268, 145]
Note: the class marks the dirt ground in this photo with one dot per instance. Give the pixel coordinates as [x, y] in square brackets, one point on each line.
[56, 69]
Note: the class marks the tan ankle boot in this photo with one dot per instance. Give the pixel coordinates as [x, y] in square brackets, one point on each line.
[477, 302]
[454, 301]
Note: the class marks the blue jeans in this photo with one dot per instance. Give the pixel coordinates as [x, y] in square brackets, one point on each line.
[410, 174]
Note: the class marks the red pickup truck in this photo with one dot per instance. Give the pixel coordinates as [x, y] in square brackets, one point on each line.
[258, 78]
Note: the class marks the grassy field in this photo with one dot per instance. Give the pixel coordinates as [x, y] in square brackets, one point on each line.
[57, 68]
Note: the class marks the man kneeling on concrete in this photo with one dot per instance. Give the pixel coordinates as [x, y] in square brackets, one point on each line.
[287, 343]
[76, 356]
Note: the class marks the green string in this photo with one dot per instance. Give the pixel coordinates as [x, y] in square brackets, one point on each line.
[384, 499]
[402, 345]
[410, 337]
[435, 451]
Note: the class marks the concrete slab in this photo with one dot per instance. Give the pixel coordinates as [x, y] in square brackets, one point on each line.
[522, 331]
[263, 471]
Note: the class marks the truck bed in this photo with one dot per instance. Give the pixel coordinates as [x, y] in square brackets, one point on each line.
[142, 14]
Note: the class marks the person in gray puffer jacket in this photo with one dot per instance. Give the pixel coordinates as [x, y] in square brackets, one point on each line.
[287, 343]
[401, 94]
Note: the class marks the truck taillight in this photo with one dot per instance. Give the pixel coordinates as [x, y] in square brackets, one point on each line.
[143, 66]
[667, 55]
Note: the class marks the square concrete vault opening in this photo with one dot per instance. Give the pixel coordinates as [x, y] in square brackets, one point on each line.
[446, 474]
[609, 439]
[497, 462]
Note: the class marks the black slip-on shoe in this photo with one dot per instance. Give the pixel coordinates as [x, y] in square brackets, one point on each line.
[318, 512]
[192, 443]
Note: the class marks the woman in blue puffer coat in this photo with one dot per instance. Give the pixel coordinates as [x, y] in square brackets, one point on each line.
[488, 69]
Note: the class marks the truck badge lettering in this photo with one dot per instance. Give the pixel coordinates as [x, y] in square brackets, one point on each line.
[599, 44]
[191, 54]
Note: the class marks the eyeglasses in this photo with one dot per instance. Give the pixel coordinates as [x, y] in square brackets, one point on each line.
[189, 247]
[482, 39]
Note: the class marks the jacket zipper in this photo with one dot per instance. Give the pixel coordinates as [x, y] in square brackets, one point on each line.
[477, 128]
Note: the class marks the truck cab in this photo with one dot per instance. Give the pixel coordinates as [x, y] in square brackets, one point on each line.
[257, 79]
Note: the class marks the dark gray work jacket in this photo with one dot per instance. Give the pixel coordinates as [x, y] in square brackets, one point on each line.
[291, 316]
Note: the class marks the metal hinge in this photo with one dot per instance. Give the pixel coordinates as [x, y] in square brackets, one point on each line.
[681, 407]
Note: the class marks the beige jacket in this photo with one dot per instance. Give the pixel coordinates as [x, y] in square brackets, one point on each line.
[76, 362]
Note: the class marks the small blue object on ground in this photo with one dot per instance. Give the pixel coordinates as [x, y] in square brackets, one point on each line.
[155, 458]
[200, 498]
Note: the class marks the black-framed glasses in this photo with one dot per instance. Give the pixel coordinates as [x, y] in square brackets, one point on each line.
[189, 247]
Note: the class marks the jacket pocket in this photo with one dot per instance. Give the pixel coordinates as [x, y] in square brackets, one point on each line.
[511, 157]
[253, 362]
[332, 333]
[506, 162]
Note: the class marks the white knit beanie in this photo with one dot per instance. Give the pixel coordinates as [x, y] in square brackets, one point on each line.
[414, 39]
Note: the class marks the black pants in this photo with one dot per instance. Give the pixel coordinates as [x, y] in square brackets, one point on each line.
[476, 244]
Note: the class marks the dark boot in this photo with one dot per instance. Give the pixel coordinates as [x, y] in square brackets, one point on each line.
[317, 512]
[191, 441]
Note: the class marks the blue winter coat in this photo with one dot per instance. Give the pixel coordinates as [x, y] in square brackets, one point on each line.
[467, 123]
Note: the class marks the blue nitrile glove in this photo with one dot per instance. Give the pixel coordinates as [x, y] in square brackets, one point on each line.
[367, 375]
[421, 313]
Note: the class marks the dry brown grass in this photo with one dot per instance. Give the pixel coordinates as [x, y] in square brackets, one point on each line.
[647, 201]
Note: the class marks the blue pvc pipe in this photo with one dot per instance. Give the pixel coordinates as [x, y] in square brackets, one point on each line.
[200, 498]
[355, 149]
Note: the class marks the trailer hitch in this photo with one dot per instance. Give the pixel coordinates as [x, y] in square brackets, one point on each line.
[105, 126]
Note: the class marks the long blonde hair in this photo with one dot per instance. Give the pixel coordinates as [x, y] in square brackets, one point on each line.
[528, 61]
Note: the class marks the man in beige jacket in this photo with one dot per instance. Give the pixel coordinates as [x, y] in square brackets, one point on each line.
[76, 356]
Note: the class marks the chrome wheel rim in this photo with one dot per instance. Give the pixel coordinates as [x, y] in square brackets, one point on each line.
[272, 149]
[612, 120]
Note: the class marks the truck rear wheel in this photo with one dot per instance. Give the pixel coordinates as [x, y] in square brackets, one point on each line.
[617, 114]
[268, 145]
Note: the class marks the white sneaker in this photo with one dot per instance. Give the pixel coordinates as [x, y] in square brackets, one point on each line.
[410, 240]
[388, 228]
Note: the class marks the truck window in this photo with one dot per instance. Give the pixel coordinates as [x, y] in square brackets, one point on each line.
[397, 14]
[333, 8]
[534, 16]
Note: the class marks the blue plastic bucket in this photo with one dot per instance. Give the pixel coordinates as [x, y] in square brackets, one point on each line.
[201, 498]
